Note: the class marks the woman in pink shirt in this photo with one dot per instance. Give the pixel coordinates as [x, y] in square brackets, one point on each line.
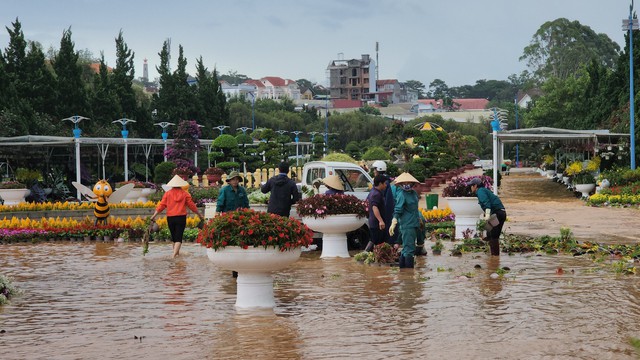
[176, 202]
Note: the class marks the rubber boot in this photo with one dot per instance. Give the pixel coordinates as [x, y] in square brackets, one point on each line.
[402, 262]
[409, 262]
[369, 246]
[494, 245]
[420, 250]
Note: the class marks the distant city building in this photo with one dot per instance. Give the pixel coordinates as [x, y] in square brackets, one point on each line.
[352, 79]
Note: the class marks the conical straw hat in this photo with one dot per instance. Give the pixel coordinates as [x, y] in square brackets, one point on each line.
[177, 181]
[404, 178]
[333, 182]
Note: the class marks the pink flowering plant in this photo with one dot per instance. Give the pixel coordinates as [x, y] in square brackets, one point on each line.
[319, 206]
[12, 185]
[248, 228]
[459, 188]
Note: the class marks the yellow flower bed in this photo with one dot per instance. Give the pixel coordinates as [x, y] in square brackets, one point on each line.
[622, 200]
[61, 223]
[48, 206]
[435, 214]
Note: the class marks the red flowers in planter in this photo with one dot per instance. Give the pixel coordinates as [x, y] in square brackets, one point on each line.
[247, 228]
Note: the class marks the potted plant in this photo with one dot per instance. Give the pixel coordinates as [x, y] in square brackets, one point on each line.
[334, 216]
[13, 192]
[582, 175]
[214, 174]
[437, 247]
[463, 203]
[254, 244]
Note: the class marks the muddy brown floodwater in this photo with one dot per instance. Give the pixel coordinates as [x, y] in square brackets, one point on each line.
[107, 301]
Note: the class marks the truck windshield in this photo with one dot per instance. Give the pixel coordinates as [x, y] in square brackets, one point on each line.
[354, 180]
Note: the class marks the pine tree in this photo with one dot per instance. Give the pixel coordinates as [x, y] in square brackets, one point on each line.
[72, 98]
[122, 78]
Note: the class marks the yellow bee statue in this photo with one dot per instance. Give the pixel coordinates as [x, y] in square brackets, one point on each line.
[102, 194]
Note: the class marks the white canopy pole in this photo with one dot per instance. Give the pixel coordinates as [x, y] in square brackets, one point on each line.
[103, 154]
[147, 152]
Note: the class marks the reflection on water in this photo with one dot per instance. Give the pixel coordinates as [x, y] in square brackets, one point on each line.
[105, 300]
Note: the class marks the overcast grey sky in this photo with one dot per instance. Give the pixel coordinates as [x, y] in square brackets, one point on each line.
[458, 41]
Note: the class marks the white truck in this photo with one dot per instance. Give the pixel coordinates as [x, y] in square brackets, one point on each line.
[355, 179]
[356, 182]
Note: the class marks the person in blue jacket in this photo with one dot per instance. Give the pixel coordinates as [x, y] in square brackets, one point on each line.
[232, 196]
[490, 204]
[407, 215]
[380, 168]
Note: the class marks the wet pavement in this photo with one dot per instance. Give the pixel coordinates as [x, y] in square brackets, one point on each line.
[107, 301]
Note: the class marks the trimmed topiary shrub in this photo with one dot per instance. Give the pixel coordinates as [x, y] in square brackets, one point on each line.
[163, 172]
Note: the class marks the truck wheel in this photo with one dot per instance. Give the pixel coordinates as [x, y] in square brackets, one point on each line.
[358, 239]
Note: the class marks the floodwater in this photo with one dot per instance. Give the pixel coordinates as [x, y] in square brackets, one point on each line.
[107, 301]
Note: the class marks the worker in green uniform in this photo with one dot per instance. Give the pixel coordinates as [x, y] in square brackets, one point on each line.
[407, 215]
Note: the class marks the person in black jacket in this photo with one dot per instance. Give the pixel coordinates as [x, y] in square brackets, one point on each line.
[284, 192]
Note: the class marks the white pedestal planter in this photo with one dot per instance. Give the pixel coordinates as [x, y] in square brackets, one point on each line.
[210, 210]
[13, 196]
[585, 189]
[550, 173]
[334, 229]
[254, 267]
[145, 193]
[467, 212]
[258, 207]
[133, 195]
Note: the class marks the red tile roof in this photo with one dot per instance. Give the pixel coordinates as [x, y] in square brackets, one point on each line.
[256, 83]
[346, 104]
[465, 104]
[275, 81]
[95, 67]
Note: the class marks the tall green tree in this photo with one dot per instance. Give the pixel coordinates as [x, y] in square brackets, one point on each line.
[560, 47]
[104, 102]
[72, 98]
[41, 80]
[416, 86]
[122, 78]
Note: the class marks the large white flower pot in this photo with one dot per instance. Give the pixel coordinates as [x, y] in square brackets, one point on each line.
[13, 196]
[334, 229]
[133, 195]
[585, 189]
[254, 267]
[467, 212]
[145, 193]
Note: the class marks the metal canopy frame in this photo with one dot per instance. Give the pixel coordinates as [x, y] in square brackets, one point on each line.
[545, 134]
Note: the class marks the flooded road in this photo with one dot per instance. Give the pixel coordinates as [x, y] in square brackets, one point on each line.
[107, 301]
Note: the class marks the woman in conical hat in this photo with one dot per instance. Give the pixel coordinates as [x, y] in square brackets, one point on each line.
[334, 185]
[407, 215]
[176, 201]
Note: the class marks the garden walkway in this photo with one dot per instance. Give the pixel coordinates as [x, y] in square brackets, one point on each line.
[538, 206]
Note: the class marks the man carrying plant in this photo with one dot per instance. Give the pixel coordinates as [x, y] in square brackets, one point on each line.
[232, 196]
[284, 192]
[377, 226]
[490, 204]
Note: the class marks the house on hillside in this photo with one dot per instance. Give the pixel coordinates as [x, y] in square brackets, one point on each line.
[278, 88]
[524, 98]
[306, 93]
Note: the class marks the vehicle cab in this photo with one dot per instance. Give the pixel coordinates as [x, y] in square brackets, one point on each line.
[356, 180]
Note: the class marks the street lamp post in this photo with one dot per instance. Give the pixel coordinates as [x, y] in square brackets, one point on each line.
[76, 138]
[515, 102]
[313, 144]
[125, 134]
[221, 128]
[297, 134]
[164, 125]
[253, 110]
[630, 25]
[499, 115]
